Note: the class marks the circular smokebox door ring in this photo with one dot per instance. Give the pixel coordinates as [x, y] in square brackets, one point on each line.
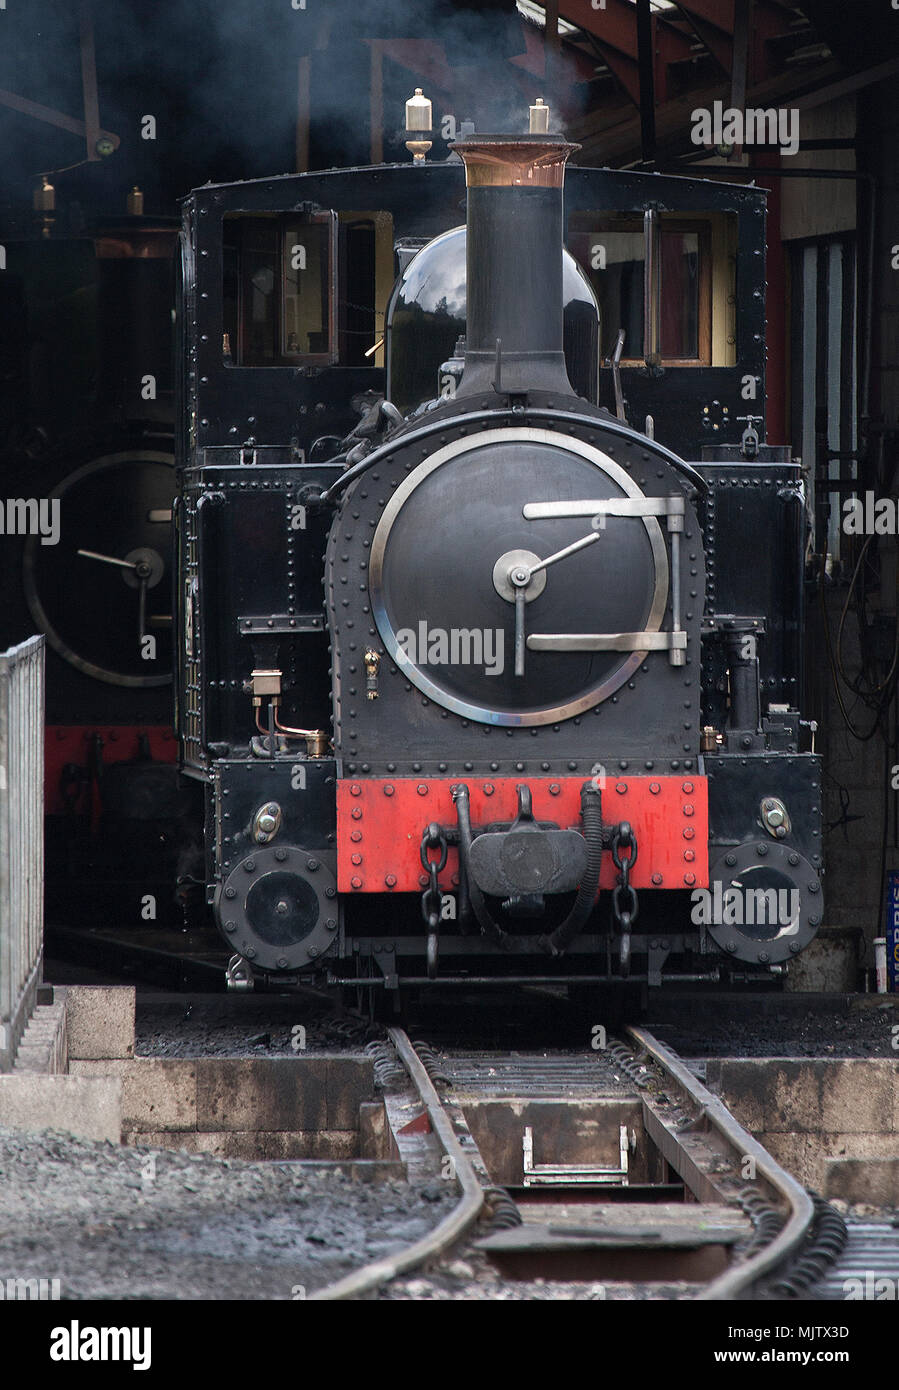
[30, 577]
[525, 434]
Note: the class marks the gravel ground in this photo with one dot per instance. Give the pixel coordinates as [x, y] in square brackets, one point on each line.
[112, 1222]
[222, 1026]
[862, 1029]
[472, 1278]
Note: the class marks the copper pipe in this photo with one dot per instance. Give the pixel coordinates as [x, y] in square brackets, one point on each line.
[314, 737]
[296, 733]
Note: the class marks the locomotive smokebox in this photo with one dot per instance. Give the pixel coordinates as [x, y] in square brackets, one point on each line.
[514, 268]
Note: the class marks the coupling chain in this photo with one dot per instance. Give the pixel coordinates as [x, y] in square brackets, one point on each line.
[624, 896]
[432, 840]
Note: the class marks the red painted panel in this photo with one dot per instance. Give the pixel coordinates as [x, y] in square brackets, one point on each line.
[380, 825]
[73, 743]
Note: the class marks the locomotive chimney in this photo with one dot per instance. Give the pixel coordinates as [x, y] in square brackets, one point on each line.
[514, 271]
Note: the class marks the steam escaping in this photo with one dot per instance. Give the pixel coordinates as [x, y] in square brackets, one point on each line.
[220, 79]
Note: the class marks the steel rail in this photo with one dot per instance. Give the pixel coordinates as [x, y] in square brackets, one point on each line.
[737, 1281]
[464, 1214]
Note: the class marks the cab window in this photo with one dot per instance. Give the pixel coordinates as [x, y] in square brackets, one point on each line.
[305, 290]
[697, 257]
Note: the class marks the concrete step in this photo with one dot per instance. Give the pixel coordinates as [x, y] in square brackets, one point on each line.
[43, 1045]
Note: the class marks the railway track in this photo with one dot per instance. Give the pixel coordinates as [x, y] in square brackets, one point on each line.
[612, 1166]
[868, 1266]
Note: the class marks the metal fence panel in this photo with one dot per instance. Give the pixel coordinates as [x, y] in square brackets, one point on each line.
[21, 838]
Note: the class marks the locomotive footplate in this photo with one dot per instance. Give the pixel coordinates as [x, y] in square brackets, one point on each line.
[380, 825]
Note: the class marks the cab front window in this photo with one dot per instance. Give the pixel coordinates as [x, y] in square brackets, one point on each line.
[696, 260]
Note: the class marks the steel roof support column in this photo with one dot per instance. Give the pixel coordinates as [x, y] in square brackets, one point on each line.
[647, 82]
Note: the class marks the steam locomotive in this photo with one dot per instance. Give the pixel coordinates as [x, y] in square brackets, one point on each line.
[483, 679]
[86, 406]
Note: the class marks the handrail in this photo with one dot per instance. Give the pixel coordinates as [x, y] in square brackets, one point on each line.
[21, 839]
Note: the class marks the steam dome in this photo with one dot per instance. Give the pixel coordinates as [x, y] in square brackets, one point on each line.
[426, 315]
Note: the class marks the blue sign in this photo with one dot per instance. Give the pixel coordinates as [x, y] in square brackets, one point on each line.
[892, 931]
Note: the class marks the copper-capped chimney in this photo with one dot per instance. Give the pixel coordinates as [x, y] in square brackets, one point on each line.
[514, 263]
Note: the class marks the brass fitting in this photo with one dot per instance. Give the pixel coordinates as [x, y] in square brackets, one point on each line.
[265, 685]
[44, 197]
[372, 661]
[538, 122]
[710, 740]
[419, 121]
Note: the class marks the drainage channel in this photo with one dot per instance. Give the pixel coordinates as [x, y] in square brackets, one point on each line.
[565, 1136]
[616, 1166]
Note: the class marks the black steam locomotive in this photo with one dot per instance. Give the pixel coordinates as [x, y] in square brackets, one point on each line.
[483, 680]
[86, 409]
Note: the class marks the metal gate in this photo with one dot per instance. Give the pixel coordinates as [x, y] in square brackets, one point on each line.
[21, 838]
